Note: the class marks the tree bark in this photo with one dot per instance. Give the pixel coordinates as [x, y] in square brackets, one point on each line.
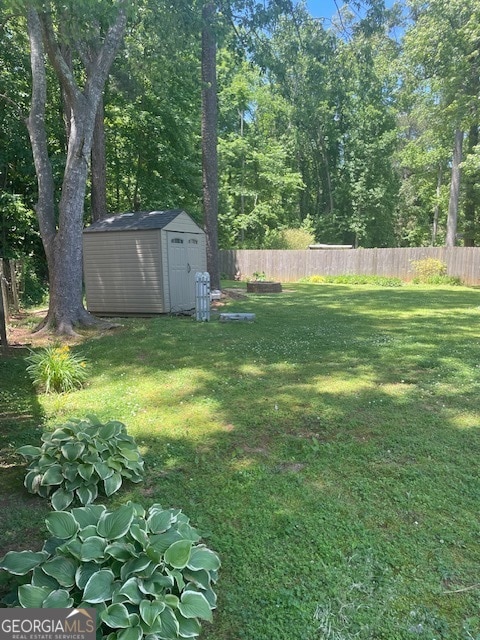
[470, 193]
[98, 172]
[436, 211]
[63, 240]
[209, 141]
[454, 191]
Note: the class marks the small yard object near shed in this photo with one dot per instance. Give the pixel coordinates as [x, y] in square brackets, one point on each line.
[237, 317]
[143, 263]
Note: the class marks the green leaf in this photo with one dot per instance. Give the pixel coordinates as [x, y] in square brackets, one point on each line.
[99, 587]
[131, 590]
[178, 554]
[87, 493]
[61, 499]
[70, 471]
[21, 562]
[110, 430]
[170, 624]
[116, 616]
[86, 471]
[195, 605]
[31, 597]
[112, 484]
[149, 611]
[203, 558]
[188, 627]
[171, 600]
[93, 549]
[72, 450]
[53, 476]
[103, 470]
[84, 573]
[62, 569]
[160, 521]
[121, 551]
[158, 583]
[87, 532]
[139, 535]
[129, 453]
[137, 566]
[41, 579]
[115, 524]
[59, 599]
[134, 633]
[62, 524]
[161, 541]
[88, 515]
[28, 451]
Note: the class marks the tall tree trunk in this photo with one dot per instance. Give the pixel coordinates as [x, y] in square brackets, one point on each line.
[436, 211]
[209, 140]
[63, 244]
[470, 193]
[98, 171]
[454, 190]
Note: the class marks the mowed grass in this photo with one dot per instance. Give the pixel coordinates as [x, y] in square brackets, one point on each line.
[329, 452]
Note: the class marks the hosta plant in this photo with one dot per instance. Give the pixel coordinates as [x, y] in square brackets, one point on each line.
[146, 574]
[81, 458]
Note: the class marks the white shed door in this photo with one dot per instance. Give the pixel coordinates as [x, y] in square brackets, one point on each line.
[186, 256]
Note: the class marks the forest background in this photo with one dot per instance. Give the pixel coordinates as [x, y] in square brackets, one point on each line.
[361, 128]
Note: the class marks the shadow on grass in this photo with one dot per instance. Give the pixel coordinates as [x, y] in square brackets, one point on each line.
[21, 419]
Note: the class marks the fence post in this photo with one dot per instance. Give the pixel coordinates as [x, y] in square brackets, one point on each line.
[202, 296]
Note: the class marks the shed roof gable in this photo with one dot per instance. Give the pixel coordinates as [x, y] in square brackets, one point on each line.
[136, 220]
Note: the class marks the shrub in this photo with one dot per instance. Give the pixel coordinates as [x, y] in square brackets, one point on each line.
[428, 268]
[380, 281]
[145, 573]
[291, 239]
[79, 458]
[56, 368]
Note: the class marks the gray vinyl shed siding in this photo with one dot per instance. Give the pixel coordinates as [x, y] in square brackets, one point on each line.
[126, 268]
[123, 272]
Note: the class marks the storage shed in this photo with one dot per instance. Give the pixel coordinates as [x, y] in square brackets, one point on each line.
[143, 262]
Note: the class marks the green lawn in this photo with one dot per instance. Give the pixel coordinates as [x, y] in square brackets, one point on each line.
[329, 452]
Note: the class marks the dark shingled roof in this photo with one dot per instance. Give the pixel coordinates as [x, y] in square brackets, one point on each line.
[134, 221]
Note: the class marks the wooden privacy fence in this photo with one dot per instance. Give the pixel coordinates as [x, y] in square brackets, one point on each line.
[289, 266]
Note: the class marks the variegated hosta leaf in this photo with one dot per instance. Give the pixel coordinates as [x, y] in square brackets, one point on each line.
[203, 558]
[61, 499]
[195, 605]
[31, 597]
[20, 563]
[62, 524]
[62, 569]
[178, 554]
[116, 616]
[99, 587]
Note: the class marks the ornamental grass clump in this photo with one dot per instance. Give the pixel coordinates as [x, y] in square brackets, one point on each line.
[56, 368]
[146, 573]
[81, 458]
